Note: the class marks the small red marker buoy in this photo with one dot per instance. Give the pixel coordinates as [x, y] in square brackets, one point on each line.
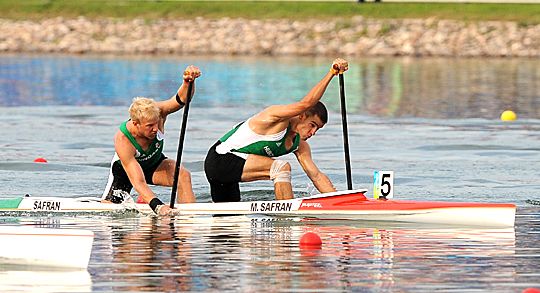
[40, 160]
[531, 290]
[310, 240]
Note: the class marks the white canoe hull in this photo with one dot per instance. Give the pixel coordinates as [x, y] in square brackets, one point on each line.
[66, 248]
[350, 205]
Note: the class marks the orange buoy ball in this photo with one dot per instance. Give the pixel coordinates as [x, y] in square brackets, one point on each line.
[311, 240]
[531, 290]
[40, 160]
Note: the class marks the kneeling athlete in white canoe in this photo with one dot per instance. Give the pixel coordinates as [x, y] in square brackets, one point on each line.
[247, 152]
[139, 158]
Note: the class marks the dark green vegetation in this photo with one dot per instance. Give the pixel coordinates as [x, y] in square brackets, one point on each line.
[154, 9]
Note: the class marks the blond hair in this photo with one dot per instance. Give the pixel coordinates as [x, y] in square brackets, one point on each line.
[144, 109]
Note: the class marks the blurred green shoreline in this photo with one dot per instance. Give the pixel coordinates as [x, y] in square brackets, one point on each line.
[523, 14]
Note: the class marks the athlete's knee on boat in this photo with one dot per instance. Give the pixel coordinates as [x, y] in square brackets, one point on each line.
[280, 171]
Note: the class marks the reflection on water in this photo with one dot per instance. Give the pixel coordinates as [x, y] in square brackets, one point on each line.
[428, 88]
[260, 253]
[449, 88]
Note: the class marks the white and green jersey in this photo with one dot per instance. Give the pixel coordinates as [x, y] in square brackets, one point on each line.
[242, 141]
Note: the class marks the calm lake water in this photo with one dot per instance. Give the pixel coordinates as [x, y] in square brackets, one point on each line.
[435, 122]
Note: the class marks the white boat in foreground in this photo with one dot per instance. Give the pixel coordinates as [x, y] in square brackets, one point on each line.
[350, 205]
[26, 245]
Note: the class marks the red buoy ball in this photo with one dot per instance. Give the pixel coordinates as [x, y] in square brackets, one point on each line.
[40, 160]
[311, 240]
[531, 290]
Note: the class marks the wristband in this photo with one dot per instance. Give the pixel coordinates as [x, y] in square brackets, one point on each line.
[154, 203]
[179, 101]
[334, 71]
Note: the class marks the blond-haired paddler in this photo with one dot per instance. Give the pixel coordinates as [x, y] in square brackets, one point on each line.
[139, 159]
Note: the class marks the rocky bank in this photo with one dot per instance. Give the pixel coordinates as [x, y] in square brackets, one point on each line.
[352, 37]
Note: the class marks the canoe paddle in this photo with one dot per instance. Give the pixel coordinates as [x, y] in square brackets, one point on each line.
[345, 131]
[181, 144]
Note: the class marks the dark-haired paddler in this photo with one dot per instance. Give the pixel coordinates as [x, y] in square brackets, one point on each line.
[249, 151]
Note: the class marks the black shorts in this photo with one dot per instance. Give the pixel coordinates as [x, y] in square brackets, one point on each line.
[119, 180]
[224, 172]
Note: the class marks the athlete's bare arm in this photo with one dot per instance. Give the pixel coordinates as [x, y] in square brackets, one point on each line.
[171, 105]
[319, 179]
[276, 117]
[126, 153]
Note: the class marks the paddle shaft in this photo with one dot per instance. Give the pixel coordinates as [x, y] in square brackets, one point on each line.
[345, 131]
[181, 145]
